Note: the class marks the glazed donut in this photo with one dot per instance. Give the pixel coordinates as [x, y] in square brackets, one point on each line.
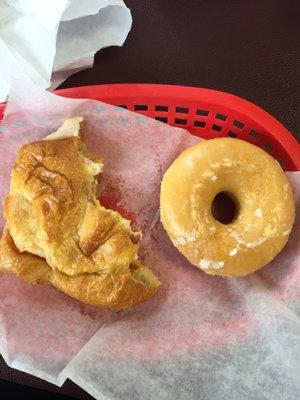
[263, 199]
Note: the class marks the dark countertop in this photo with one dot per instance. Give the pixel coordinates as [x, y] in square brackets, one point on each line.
[250, 49]
[247, 48]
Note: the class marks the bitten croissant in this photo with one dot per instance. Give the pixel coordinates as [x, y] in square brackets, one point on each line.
[57, 232]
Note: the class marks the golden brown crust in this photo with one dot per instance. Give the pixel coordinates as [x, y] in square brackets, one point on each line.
[26, 266]
[52, 212]
[122, 288]
[114, 290]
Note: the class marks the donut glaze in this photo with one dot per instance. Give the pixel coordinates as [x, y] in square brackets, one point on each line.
[265, 210]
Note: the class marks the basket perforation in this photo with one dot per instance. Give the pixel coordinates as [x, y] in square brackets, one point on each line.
[203, 112]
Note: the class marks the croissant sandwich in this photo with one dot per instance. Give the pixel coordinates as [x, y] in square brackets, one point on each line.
[57, 232]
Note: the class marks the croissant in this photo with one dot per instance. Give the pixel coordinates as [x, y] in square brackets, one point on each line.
[57, 231]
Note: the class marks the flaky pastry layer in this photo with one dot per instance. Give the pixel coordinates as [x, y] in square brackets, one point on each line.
[58, 232]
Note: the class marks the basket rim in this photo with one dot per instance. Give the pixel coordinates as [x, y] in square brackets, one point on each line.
[188, 93]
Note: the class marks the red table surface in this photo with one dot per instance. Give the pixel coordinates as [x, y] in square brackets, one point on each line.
[241, 47]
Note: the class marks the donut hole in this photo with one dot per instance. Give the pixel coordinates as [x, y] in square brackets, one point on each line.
[225, 208]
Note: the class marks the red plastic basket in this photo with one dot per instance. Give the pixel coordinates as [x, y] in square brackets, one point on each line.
[203, 112]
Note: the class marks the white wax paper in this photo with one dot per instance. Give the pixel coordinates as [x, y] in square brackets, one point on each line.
[60, 36]
[200, 337]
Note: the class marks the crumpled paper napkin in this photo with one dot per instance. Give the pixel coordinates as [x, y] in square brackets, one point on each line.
[46, 41]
